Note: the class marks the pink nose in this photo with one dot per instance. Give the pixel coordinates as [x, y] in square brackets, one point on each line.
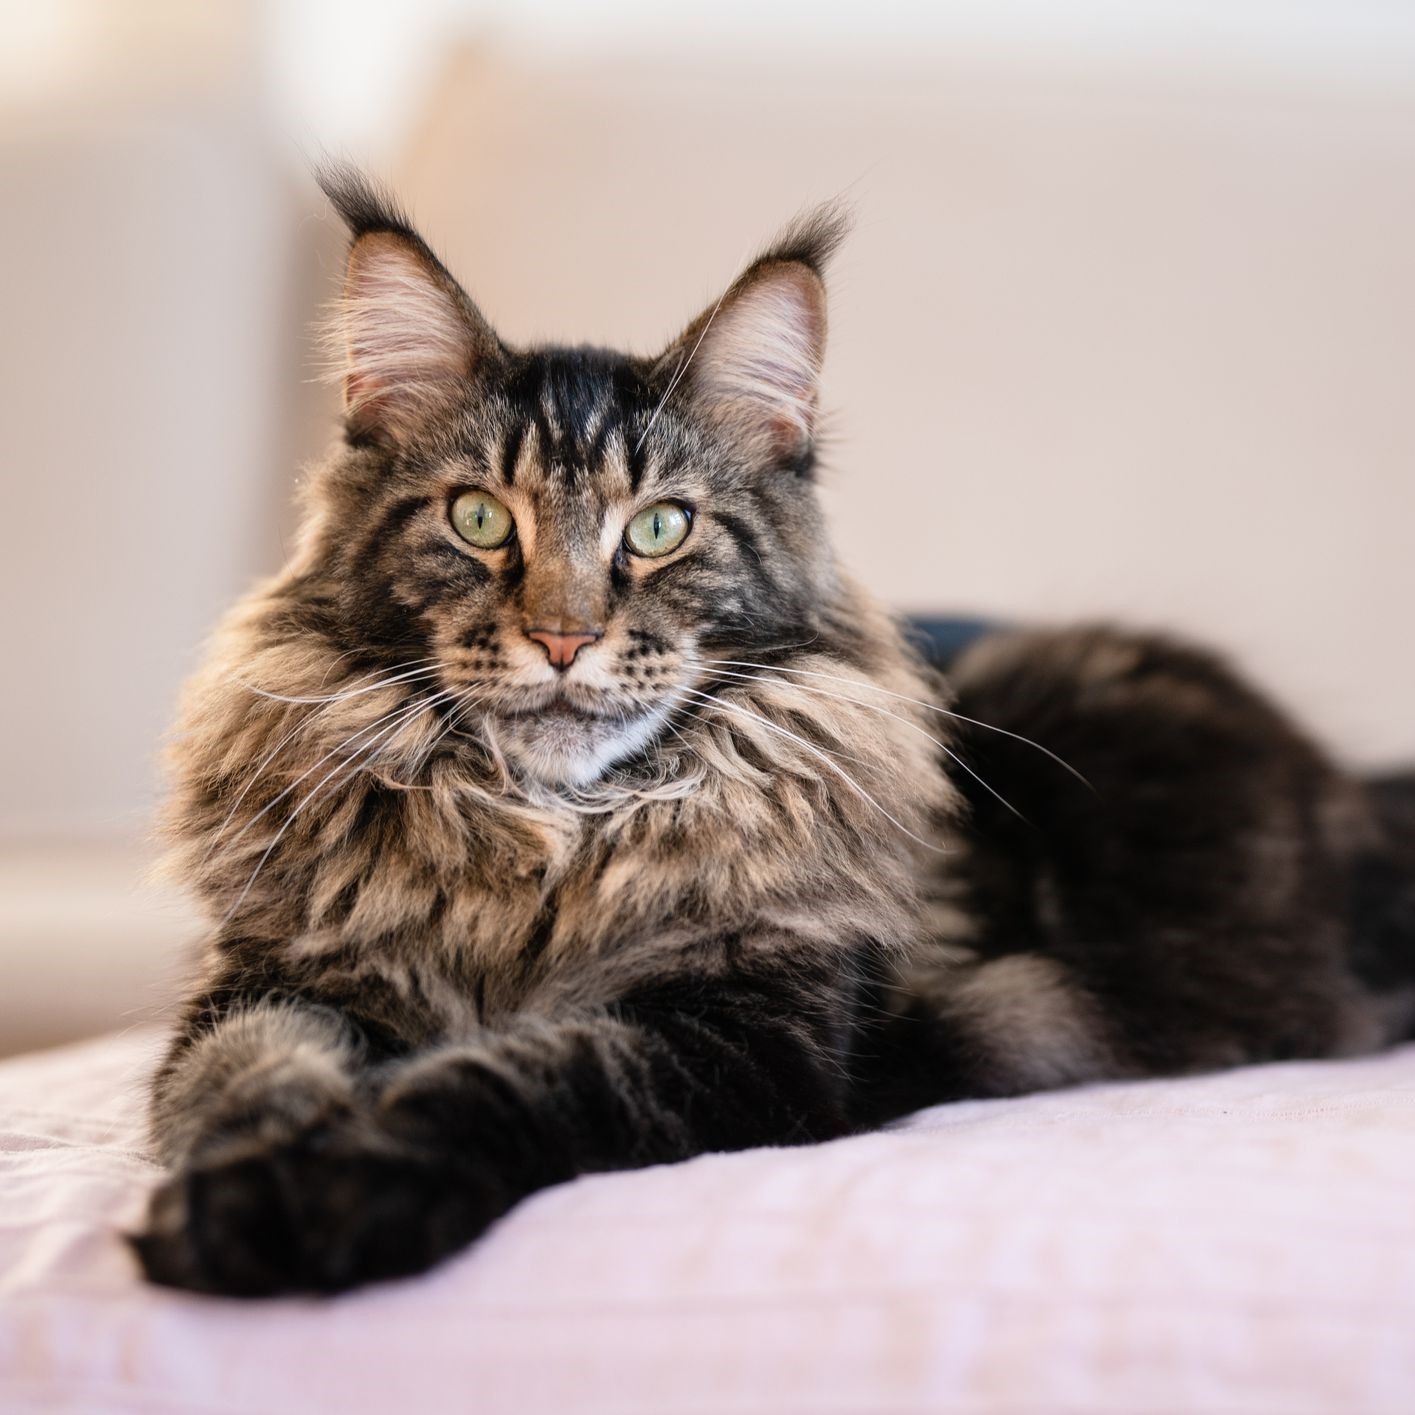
[562, 648]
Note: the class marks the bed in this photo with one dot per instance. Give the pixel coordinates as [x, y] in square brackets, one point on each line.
[1242, 1242]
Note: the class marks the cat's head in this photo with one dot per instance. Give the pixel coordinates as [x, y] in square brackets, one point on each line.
[566, 533]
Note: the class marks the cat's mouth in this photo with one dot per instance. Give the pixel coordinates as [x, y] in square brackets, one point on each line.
[564, 740]
[557, 709]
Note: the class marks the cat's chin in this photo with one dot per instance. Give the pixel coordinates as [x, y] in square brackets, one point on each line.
[571, 749]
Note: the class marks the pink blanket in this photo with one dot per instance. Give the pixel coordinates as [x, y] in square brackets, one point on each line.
[1235, 1243]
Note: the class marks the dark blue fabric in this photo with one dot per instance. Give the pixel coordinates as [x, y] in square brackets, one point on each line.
[942, 639]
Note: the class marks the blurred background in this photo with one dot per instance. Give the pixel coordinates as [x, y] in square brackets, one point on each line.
[1127, 328]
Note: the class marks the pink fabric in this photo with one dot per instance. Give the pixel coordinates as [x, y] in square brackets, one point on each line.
[1235, 1243]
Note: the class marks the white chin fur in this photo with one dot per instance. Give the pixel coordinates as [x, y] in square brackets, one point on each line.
[574, 752]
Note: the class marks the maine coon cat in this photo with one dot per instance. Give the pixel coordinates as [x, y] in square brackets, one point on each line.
[563, 807]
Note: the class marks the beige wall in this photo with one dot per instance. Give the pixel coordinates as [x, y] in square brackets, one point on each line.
[147, 372]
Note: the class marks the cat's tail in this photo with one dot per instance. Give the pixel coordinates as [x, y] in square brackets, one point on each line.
[1384, 901]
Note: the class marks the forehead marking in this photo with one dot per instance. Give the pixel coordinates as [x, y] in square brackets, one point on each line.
[511, 451]
[526, 449]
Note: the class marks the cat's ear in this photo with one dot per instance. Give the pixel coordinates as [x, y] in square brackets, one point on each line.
[751, 363]
[405, 338]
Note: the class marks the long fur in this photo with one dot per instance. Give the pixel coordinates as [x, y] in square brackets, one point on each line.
[741, 874]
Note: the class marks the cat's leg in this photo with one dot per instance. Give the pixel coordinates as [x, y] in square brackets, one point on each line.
[260, 1091]
[1187, 906]
[448, 1139]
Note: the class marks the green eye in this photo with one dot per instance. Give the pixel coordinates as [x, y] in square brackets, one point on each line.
[481, 520]
[658, 529]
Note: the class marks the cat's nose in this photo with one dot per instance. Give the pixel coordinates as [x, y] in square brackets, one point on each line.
[562, 646]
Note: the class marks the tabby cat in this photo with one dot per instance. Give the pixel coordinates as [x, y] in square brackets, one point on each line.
[563, 807]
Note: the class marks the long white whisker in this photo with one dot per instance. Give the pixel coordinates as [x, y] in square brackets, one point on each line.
[349, 693]
[388, 668]
[676, 731]
[904, 697]
[403, 709]
[463, 700]
[346, 765]
[768, 648]
[826, 757]
[876, 707]
[303, 724]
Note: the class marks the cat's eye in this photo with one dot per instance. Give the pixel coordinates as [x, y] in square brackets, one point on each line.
[481, 520]
[657, 529]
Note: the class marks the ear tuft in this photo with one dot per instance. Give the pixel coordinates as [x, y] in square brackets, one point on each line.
[812, 238]
[752, 362]
[363, 204]
[404, 337]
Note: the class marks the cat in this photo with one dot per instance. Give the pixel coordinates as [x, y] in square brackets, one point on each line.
[563, 807]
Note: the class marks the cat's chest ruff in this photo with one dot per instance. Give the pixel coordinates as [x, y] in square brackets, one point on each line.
[499, 885]
[527, 886]
[443, 870]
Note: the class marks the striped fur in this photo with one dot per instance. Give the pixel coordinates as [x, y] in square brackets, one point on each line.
[478, 926]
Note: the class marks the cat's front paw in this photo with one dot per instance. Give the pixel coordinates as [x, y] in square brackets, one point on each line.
[321, 1213]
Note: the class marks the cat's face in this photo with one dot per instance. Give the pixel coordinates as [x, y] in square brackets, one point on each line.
[557, 539]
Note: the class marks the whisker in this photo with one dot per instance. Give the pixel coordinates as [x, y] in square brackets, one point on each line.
[425, 754]
[912, 726]
[344, 696]
[390, 668]
[304, 723]
[675, 730]
[349, 767]
[904, 697]
[769, 648]
[826, 757]
[408, 709]
[463, 700]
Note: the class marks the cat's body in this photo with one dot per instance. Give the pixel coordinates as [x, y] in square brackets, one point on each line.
[540, 837]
